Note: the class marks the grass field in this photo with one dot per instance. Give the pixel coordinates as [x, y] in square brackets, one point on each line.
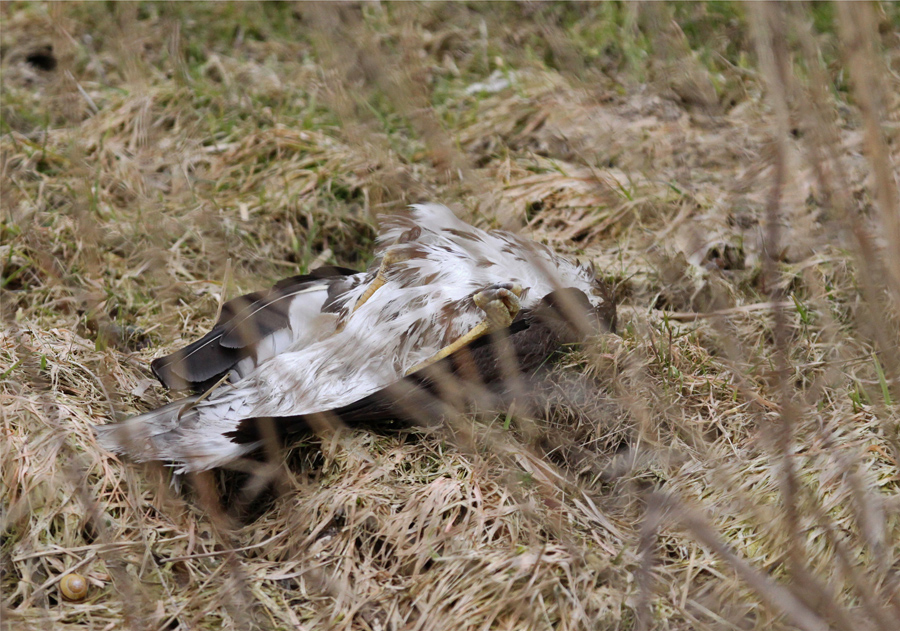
[729, 460]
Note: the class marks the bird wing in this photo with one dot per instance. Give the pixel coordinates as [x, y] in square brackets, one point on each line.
[253, 328]
[479, 371]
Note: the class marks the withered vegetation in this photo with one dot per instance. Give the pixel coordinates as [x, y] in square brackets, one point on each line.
[729, 460]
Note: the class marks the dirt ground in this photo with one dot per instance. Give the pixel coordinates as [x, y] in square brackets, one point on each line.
[729, 460]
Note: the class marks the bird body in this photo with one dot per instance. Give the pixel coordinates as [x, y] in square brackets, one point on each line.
[326, 340]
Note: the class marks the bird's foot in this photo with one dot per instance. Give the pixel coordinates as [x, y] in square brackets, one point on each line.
[391, 256]
[500, 304]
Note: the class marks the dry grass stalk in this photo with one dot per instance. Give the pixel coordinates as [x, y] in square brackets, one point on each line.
[730, 460]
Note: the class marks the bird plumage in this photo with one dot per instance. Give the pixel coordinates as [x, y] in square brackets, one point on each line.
[318, 343]
[252, 329]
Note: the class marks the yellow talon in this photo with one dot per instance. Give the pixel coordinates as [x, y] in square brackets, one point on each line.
[500, 305]
[390, 257]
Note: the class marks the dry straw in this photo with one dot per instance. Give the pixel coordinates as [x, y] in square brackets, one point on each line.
[728, 461]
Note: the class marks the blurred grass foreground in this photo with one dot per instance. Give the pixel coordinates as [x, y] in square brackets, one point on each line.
[728, 461]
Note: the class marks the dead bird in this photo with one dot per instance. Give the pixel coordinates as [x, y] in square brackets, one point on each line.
[443, 302]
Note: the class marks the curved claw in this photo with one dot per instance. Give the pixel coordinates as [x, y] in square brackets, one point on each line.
[500, 304]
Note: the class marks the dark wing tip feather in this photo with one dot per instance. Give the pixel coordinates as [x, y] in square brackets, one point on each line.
[326, 271]
[244, 321]
[197, 366]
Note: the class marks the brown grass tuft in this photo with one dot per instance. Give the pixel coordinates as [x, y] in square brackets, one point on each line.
[730, 460]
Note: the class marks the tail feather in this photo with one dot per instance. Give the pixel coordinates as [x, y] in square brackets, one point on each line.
[140, 436]
[174, 433]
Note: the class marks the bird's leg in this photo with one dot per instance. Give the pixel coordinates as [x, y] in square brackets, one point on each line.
[500, 304]
[391, 256]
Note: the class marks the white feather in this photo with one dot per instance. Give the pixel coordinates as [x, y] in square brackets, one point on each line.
[330, 360]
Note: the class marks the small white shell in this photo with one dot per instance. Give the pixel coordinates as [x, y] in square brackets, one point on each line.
[74, 587]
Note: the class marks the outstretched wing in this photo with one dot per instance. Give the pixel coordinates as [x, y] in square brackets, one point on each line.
[253, 328]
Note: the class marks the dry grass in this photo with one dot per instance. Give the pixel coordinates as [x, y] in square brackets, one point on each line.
[730, 461]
